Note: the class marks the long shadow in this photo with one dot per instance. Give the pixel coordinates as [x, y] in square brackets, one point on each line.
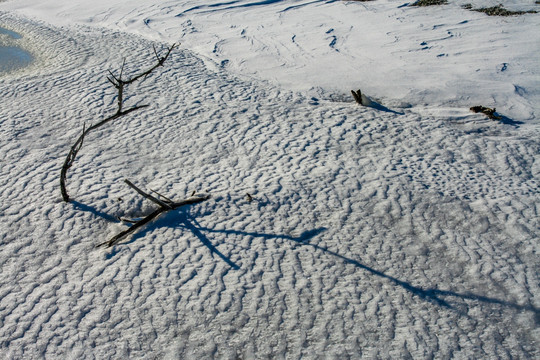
[187, 221]
[174, 219]
[507, 121]
[198, 233]
[428, 294]
[433, 295]
[375, 105]
[87, 208]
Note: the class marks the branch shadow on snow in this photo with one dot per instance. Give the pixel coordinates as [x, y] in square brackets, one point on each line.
[507, 121]
[183, 219]
[432, 295]
[180, 219]
[377, 106]
[90, 209]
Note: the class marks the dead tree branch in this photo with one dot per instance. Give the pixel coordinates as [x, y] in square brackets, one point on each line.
[148, 196]
[164, 206]
[118, 83]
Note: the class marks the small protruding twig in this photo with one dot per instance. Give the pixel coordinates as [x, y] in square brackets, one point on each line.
[122, 69]
[165, 199]
[357, 95]
[148, 196]
[131, 221]
[155, 52]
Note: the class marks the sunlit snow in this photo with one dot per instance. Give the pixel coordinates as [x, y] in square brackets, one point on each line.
[407, 228]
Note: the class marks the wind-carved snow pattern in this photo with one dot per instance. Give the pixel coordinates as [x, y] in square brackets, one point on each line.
[370, 234]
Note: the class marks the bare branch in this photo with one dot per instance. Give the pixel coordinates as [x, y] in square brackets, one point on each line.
[122, 69]
[135, 226]
[115, 79]
[165, 199]
[119, 84]
[70, 158]
[155, 52]
[69, 162]
[111, 81]
[148, 196]
[162, 208]
[147, 72]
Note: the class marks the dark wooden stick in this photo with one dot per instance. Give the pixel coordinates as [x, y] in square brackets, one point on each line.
[150, 217]
[357, 95]
[134, 227]
[70, 158]
[148, 196]
[119, 84]
[490, 113]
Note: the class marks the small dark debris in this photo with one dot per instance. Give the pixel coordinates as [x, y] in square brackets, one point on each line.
[430, 2]
[490, 113]
[499, 10]
[357, 96]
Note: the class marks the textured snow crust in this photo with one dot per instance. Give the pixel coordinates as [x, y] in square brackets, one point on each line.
[387, 232]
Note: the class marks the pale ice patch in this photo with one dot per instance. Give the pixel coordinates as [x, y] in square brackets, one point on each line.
[9, 33]
[12, 57]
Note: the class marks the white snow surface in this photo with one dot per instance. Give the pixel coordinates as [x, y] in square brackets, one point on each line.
[404, 229]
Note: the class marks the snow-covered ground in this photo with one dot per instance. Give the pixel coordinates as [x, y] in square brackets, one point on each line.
[409, 229]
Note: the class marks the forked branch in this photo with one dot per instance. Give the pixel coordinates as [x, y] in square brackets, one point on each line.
[119, 83]
[164, 206]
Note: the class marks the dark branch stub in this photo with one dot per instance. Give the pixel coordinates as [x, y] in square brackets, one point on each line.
[490, 113]
[357, 95]
[118, 83]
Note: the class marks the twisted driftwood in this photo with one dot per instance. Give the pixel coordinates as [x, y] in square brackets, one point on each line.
[118, 83]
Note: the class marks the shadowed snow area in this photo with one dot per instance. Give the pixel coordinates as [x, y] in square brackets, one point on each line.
[369, 232]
